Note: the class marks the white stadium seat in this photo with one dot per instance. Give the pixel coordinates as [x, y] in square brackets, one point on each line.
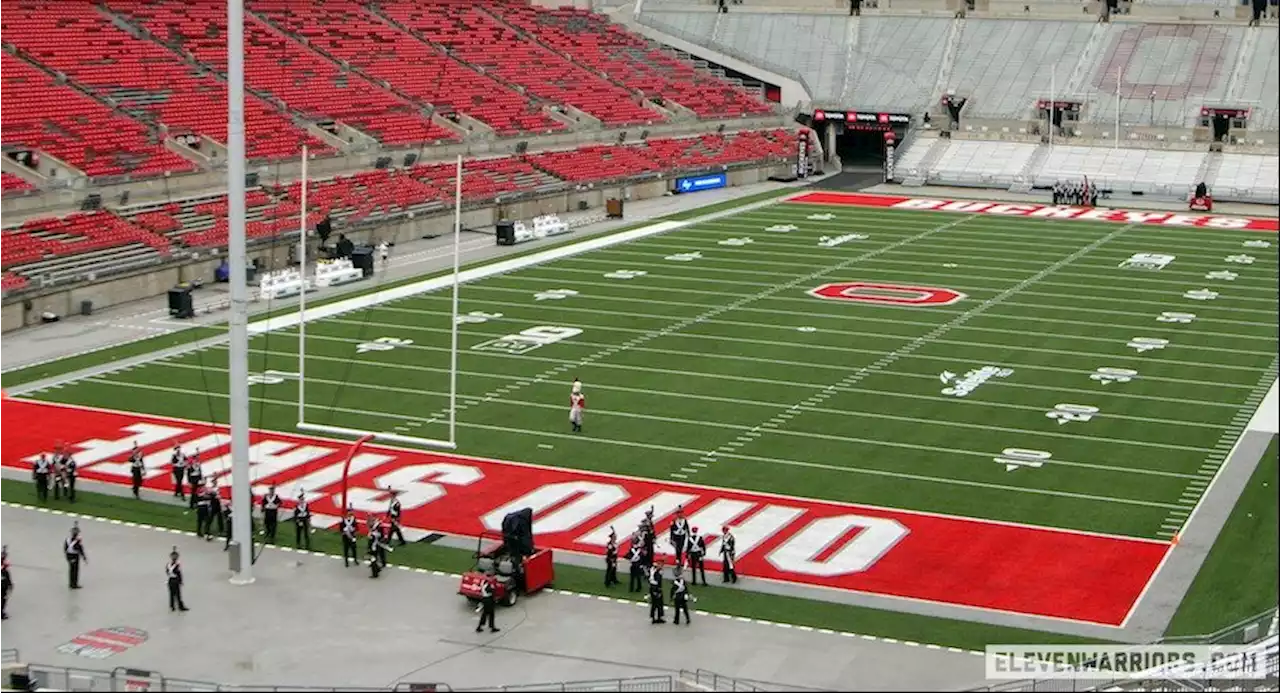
[1148, 171]
[1247, 177]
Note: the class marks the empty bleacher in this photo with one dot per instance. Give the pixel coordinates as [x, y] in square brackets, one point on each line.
[1166, 72]
[1260, 82]
[631, 60]
[1000, 64]
[284, 68]
[75, 245]
[144, 78]
[1148, 171]
[345, 30]
[1248, 178]
[811, 44]
[44, 116]
[983, 164]
[478, 38]
[12, 183]
[1159, 173]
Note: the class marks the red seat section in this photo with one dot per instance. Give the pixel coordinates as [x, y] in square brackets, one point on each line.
[602, 163]
[80, 40]
[77, 233]
[41, 115]
[284, 68]
[476, 37]
[12, 282]
[343, 29]
[630, 59]
[10, 182]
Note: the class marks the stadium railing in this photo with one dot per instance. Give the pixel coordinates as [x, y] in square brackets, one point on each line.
[1255, 629]
[709, 680]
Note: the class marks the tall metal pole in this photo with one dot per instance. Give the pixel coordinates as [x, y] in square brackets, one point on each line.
[1053, 86]
[238, 391]
[453, 329]
[302, 296]
[1115, 144]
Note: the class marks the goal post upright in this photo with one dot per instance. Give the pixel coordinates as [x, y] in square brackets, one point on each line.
[361, 434]
[302, 294]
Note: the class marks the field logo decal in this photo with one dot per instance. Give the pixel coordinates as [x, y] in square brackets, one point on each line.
[1147, 261]
[962, 385]
[833, 241]
[1017, 458]
[889, 294]
[382, 344]
[1145, 344]
[782, 228]
[736, 242]
[554, 294]
[1182, 318]
[625, 274]
[1257, 244]
[1224, 275]
[1107, 375]
[1201, 294]
[1241, 259]
[1065, 413]
[476, 317]
[684, 257]
[525, 341]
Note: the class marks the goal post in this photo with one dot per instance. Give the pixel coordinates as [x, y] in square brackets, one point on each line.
[363, 435]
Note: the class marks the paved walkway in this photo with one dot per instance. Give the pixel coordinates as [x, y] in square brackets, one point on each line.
[307, 621]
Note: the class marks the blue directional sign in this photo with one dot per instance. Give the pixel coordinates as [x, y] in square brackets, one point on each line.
[708, 182]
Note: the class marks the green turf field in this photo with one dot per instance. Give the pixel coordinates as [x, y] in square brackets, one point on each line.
[706, 360]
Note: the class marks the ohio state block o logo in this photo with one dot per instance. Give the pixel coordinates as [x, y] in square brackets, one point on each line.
[889, 294]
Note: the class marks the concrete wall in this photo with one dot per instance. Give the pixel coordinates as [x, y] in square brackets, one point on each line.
[157, 280]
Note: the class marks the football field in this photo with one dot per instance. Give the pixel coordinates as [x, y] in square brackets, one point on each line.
[1077, 375]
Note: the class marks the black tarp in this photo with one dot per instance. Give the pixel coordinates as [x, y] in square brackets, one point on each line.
[517, 532]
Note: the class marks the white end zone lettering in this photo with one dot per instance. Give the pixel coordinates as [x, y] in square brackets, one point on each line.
[411, 482]
[91, 453]
[801, 554]
[331, 474]
[663, 504]
[266, 459]
[575, 502]
[888, 294]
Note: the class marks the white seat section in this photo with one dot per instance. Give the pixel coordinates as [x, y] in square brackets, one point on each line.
[1261, 81]
[981, 163]
[1122, 170]
[1223, 4]
[896, 63]
[908, 160]
[1001, 65]
[694, 24]
[1167, 72]
[812, 44]
[1249, 177]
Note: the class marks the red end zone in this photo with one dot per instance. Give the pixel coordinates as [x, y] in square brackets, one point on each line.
[1039, 211]
[949, 560]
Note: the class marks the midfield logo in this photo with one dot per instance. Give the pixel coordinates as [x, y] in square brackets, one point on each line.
[961, 386]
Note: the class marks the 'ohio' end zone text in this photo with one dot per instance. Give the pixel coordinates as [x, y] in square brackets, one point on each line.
[892, 553]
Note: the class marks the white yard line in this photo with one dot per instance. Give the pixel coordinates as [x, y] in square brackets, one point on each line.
[767, 381]
[752, 402]
[532, 435]
[888, 359]
[595, 298]
[790, 345]
[711, 311]
[528, 276]
[418, 392]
